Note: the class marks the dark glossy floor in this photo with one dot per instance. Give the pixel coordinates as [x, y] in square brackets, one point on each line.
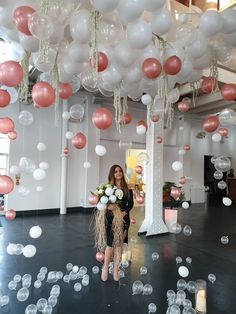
[68, 239]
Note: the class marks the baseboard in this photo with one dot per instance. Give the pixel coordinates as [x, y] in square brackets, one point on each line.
[55, 211]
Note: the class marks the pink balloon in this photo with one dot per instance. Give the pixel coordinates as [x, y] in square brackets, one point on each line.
[102, 118]
[6, 184]
[43, 94]
[100, 257]
[210, 124]
[155, 118]
[223, 131]
[126, 118]
[6, 125]
[79, 140]
[66, 150]
[11, 73]
[183, 106]
[93, 199]
[159, 140]
[138, 169]
[140, 199]
[12, 135]
[187, 147]
[5, 98]
[20, 18]
[175, 192]
[10, 214]
[65, 90]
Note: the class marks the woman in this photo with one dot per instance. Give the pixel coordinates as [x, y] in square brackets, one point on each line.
[117, 221]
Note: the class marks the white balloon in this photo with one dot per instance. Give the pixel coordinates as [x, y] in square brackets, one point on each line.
[39, 174]
[139, 34]
[80, 26]
[124, 54]
[14, 170]
[87, 165]
[173, 95]
[104, 199]
[132, 75]
[105, 6]
[27, 165]
[185, 205]
[141, 130]
[130, 10]
[210, 23]
[39, 188]
[112, 198]
[101, 206]
[183, 271]
[6, 18]
[44, 165]
[177, 165]
[100, 150]
[71, 67]
[35, 232]
[112, 75]
[29, 43]
[186, 68]
[26, 118]
[29, 251]
[227, 201]
[161, 22]
[230, 38]
[229, 21]
[198, 48]
[154, 5]
[41, 147]
[216, 137]
[78, 52]
[65, 115]
[11, 248]
[23, 190]
[69, 135]
[146, 99]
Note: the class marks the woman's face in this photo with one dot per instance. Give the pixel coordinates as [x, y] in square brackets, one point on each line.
[118, 173]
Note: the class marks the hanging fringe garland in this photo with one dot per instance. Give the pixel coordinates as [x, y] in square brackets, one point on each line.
[94, 54]
[24, 85]
[44, 44]
[118, 107]
[55, 85]
[214, 73]
[194, 90]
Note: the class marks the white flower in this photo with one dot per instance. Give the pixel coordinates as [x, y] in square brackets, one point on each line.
[101, 206]
[119, 193]
[109, 191]
[104, 200]
[112, 198]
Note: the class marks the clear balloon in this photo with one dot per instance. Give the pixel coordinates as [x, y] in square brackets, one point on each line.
[137, 287]
[176, 228]
[178, 260]
[212, 278]
[77, 111]
[29, 251]
[31, 309]
[218, 175]
[23, 191]
[188, 260]
[27, 165]
[181, 284]
[147, 289]
[41, 26]
[143, 270]
[187, 230]
[224, 240]
[143, 159]
[191, 287]
[222, 185]
[222, 164]
[227, 117]
[155, 256]
[22, 294]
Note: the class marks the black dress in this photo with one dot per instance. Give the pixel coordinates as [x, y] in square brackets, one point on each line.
[126, 205]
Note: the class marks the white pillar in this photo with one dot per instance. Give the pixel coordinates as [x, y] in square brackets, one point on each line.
[64, 157]
[153, 223]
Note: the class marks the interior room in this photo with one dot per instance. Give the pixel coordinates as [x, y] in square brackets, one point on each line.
[117, 156]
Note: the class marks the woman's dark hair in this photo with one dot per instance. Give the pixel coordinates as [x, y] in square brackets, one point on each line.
[111, 179]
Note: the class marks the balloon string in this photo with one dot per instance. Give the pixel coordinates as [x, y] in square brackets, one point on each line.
[23, 142]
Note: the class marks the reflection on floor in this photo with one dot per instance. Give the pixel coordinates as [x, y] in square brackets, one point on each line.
[68, 239]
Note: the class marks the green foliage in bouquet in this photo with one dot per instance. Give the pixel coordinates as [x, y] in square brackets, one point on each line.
[168, 200]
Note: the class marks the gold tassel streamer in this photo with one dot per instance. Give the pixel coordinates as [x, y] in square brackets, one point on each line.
[55, 85]
[214, 73]
[24, 85]
[118, 107]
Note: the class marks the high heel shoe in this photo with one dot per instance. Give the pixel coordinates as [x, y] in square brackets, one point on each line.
[104, 274]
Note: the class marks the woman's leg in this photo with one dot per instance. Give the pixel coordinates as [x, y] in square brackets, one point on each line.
[117, 258]
[107, 259]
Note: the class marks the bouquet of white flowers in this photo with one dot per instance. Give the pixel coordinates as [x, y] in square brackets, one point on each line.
[107, 194]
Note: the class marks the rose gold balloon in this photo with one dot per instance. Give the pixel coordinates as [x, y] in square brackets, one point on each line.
[209, 84]
[140, 199]
[100, 257]
[102, 62]
[102, 118]
[228, 91]
[93, 199]
[11, 73]
[79, 140]
[65, 90]
[183, 106]
[20, 18]
[210, 124]
[126, 118]
[159, 140]
[186, 147]
[223, 131]
[142, 122]
[5, 98]
[12, 135]
[133, 221]
[6, 184]
[151, 68]
[175, 192]
[138, 169]
[155, 118]
[182, 180]
[6, 125]
[10, 214]
[172, 65]
[66, 150]
[43, 94]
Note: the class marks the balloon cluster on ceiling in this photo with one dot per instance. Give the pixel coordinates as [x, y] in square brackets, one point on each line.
[118, 47]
